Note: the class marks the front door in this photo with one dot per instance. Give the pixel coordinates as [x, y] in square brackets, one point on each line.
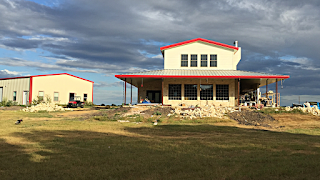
[1, 90]
[25, 98]
[154, 96]
[71, 97]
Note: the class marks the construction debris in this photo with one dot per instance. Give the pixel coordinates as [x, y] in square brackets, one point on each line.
[307, 109]
[44, 107]
[201, 112]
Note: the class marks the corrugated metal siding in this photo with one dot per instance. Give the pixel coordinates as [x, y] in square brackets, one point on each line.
[19, 85]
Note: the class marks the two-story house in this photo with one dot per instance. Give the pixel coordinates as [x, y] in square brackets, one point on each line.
[198, 72]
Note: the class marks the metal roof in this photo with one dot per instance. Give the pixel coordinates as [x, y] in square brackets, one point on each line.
[198, 39]
[186, 73]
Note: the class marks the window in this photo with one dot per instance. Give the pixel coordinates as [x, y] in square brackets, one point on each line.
[204, 60]
[222, 92]
[213, 60]
[85, 97]
[41, 94]
[174, 91]
[190, 92]
[14, 95]
[184, 60]
[206, 92]
[56, 96]
[194, 60]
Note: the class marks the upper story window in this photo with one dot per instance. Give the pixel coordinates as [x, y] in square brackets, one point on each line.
[184, 60]
[213, 60]
[194, 60]
[204, 60]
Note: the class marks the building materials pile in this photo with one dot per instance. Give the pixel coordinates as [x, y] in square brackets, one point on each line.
[200, 112]
[307, 109]
[44, 107]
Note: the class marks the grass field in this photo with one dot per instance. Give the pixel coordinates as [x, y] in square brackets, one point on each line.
[48, 146]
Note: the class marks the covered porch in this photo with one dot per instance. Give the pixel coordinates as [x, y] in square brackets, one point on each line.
[198, 90]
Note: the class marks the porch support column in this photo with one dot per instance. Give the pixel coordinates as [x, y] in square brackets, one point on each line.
[125, 91]
[131, 92]
[162, 85]
[267, 89]
[276, 92]
[239, 92]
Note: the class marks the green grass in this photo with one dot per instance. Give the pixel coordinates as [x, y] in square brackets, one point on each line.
[95, 149]
[281, 110]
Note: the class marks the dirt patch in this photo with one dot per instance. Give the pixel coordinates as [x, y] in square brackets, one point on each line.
[253, 118]
[157, 111]
[12, 108]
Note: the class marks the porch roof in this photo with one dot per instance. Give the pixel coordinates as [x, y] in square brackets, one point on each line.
[182, 73]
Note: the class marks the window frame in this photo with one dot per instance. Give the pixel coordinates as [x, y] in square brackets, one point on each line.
[54, 96]
[213, 60]
[14, 97]
[222, 95]
[40, 96]
[192, 60]
[204, 95]
[177, 89]
[86, 97]
[204, 60]
[190, 94]
[183, 60]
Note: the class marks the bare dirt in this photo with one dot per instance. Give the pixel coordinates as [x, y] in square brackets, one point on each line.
[157, 111]
[254, 118]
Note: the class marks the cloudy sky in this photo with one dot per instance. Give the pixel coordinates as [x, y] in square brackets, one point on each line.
[96, 39]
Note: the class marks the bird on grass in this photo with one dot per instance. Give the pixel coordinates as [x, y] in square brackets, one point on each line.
[18, 121]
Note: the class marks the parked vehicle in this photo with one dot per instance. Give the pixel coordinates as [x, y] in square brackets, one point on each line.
[75, 102]
[297, 105]
[314, 104]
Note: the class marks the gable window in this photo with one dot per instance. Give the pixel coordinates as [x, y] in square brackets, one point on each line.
[206, 92]
[14, 95]
[190, 91]
[40, 95]
[213, 60]
[194, 60]
[184, 60]
[204, 60]
[56, 96]
[85, 97]
[174, 91]
[222, 92]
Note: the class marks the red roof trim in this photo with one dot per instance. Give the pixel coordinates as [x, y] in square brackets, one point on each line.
[215, 77]
[47, 75]
[198, 39]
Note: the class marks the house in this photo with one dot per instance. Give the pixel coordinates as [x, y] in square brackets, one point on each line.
[60, 88]
[198, 72]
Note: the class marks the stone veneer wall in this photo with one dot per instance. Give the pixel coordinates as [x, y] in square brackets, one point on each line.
[156, 85]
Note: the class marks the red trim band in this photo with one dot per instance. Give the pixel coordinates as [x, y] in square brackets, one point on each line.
[198, 39]
[30, 90]
[48, 75]
[215, 77]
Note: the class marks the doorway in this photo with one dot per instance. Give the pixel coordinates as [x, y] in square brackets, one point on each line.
[154, 96]
[71, 97]
[25, 98]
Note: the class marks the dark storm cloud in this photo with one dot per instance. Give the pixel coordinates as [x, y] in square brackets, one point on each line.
[123, 36]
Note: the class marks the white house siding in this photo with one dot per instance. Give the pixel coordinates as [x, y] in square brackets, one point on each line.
[11, 85]
[227, 59]
[214, 82]
[63, 84]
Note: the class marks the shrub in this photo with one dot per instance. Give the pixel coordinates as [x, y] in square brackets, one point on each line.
[88, 103]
